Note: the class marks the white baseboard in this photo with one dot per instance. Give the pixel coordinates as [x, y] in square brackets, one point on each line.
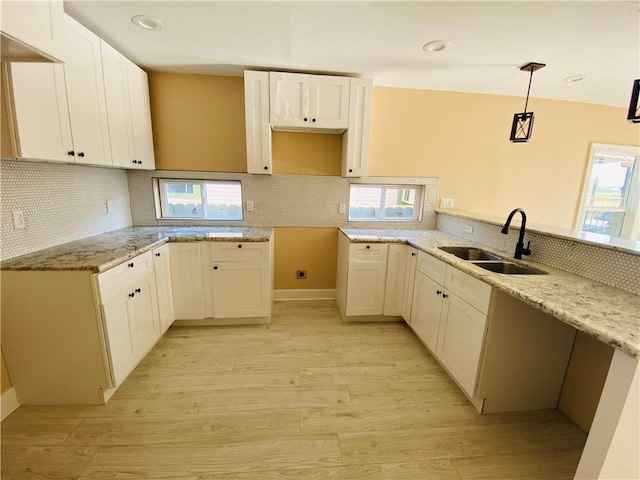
[8, 402]
[305, 294]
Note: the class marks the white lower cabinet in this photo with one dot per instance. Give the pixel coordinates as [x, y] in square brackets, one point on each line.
[365, 288]
[397, 263]
[121, 332]
[449, 315]
[411, 255]
[162, 270]
[221, 279]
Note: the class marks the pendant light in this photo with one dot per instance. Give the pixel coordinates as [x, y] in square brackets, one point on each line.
[634, 106]
[522, 125]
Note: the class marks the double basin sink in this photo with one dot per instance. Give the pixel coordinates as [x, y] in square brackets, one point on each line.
[491, 262]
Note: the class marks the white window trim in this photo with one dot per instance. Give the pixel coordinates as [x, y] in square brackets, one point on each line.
[418, 205]
[631, 224]
[163, 214]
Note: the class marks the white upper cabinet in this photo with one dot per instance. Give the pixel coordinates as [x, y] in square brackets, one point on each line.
[32, 31]
[128, 111]
[309, 102]
[256, 113]
[86, 96]
[37, 110]
[143, 156]
[355, 141]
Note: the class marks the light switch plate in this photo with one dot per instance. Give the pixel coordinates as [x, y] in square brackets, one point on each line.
[446, 203]
[18, 219]
[109, 204]
[342, 208]
[249, 205]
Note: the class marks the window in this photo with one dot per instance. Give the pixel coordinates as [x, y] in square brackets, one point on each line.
[388, 203]
[210, 200]
[610, 200]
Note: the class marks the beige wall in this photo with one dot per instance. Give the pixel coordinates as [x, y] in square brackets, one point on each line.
[312, 249]
[306, 153]
[584, 380]
[463, 139]
[5, 383]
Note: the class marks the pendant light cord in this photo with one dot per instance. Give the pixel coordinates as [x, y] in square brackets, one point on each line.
[528, 90]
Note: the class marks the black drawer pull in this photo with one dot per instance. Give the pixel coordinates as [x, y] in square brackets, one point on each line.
[157, 254]
[444, 295]
[132, 295]
[138, 290]
[368, 247]
[215, 268]
[239, 246]
[130, 265]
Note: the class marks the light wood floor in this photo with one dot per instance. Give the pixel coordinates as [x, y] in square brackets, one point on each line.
[307, 397]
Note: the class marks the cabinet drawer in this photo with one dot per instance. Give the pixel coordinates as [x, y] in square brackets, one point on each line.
[239, 251]
[432, 267]
[473, 291]
[368, 252]
[113, 281]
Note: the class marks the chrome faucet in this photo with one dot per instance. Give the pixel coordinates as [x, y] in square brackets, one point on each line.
[520, 250]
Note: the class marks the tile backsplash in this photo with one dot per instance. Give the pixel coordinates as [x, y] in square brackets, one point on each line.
[60, 203]
[612, 267]
[280, 200]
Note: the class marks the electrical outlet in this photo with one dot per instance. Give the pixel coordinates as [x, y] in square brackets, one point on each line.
[249, 205]
[109, 204]
[301, 274]
[468, 228]
[342, 208]
[446, 203]
[18, 219]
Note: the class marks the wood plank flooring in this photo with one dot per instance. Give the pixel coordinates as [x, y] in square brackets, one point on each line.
[306, 397]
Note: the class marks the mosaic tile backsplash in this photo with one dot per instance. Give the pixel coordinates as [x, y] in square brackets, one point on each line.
[280, 200]
[611, 267]
[60, 202]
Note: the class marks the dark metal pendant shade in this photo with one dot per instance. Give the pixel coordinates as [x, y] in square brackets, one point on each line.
[522, 127]
[634, 106]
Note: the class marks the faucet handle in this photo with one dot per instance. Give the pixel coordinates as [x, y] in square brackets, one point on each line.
[527, 250]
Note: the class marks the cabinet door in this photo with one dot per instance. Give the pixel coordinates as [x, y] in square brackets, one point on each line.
[241, 289]
[116, 87]
[86, 97]
[162, 271]
[256, 114]
[411, 255]
[186, 280]
[39, 111]
[121, 332]
[395, 284]
[426, 310]
[460, 341]
[355, 141]
[289, 99]
[328, 101]
[365, 288]
[147, 321]
[140, 118]
[33, 31]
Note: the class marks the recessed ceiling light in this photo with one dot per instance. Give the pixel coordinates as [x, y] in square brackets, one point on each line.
[436, 46]
[147, 22]
[574, 78]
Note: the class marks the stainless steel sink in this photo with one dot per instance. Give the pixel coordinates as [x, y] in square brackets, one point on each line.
[509, 268]
[470, 253]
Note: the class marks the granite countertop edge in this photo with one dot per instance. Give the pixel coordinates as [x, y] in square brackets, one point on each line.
[591, 312]
[102, 252]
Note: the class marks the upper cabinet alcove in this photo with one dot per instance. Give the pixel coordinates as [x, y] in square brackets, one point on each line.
[296, 102]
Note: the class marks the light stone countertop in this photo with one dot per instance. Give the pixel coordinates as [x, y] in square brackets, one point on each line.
[104, 251]
[606, 313]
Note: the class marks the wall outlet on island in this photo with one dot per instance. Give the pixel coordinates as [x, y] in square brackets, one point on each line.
[446, 203]
[468, 228]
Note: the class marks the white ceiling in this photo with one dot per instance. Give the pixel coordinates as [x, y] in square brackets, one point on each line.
[383, 41]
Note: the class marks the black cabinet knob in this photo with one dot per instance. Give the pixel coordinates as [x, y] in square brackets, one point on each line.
[313, 120]
[305, 119]
[239, 245]
[138, 290]
[368, 247]
[413, 254]
[157, 254]
[81, 154]
[215, 268]
[444, 295]
[438, 292]
[266, 168]
[71, 153]
[131, 295]
[350, 170]
[130, 265]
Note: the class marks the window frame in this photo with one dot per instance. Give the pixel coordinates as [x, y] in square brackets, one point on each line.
[417, 207]
[162, 209]
[631, 223]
